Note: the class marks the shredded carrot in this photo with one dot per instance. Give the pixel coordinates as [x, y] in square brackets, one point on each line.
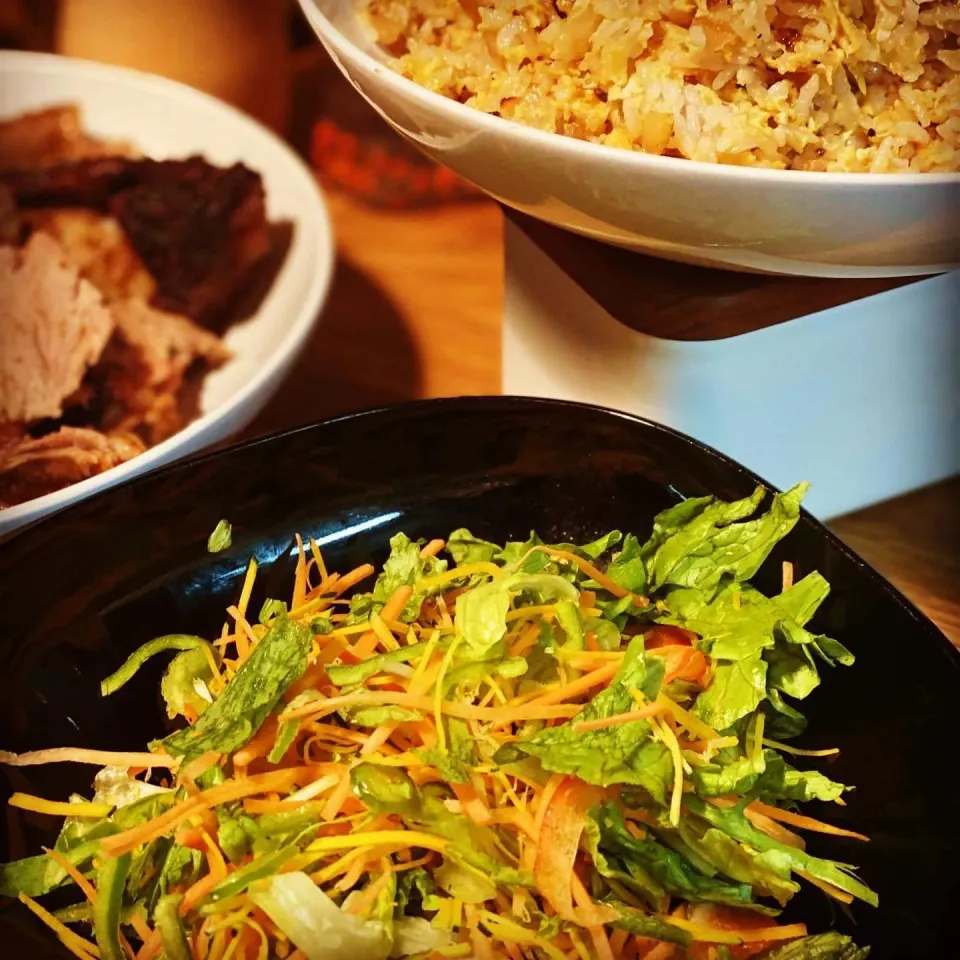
[97, 758]
[387, 640]
[120, 843]
[548, 791]
[73, 873]
[471, 803]
[246, 639]
[318, 559]
[79, 947]
[53, 808]
[366, 899]
[601, 944]
[594, 573]
[354, 577]
[300, 577]
[247, 589]
[337, 798]
[827, 888]
[802, 822]
[432, 548]
[776, 830]
[215, 862]
[576, 687]
[259, 746]
[534, 711]
[140, 925]
[631, 715]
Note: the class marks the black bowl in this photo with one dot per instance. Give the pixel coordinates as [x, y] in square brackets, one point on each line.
[82, 589]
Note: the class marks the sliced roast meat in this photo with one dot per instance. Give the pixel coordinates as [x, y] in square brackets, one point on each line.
[53, 328]
[144, 367]
[34, 467]
[198, 229]
[97, 246]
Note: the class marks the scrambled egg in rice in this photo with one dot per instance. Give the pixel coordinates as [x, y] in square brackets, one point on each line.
[838, 85]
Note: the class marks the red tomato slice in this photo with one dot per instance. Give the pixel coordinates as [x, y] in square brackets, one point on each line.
[663, 635]
[682, 663]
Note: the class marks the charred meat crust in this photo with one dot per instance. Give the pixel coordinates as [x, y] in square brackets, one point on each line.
[198, 229]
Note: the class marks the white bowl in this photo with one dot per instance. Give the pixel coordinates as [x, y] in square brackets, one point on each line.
[166, 119]
[774, 221]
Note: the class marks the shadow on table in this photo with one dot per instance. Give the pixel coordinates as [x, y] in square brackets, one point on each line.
[360, 355]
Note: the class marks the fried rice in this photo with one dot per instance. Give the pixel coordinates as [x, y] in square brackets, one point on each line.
[824, 85]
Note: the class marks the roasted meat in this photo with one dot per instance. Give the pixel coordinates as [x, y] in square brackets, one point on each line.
[144, 368]
[198, 229]
[10, 227]
[97, 246]
[53, 327]
[49, 137]
[37, 466]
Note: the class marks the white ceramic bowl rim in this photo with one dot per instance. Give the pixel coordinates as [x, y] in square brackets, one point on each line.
[53, 64]
[627, 159]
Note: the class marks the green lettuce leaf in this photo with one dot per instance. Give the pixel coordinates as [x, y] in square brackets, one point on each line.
[349, 674]
[628, 568]
[783, 721]
[271, 609]
[767, 873]
[568, 616]
[404, 567]
[362, 716]
[636, 878]
[626, 753]
[455, 761]
[606, 633]
[36, 876]
[221, 538]
[390, 790]
[732, 822]
[736, 777]
[276, 662]
[178, 685]
[482, 611]
[708, 544]
[802, 785]
[671, 871]
[464, 547]
[735, 691]
[820, 946]
[412, 885]
[651, 927]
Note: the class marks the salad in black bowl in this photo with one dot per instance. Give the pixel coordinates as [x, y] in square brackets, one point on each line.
[373, 715]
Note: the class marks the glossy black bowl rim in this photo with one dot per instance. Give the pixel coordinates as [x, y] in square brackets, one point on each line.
[411, 410]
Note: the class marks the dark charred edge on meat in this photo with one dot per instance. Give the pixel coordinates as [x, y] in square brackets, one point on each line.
[11, 227]
[84, 183]
[198, 229]
[262, 275]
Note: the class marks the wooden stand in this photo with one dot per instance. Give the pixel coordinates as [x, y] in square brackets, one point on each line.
[852, 384]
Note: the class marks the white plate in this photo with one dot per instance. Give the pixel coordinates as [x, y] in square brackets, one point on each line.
[168, 120]
[740, 218]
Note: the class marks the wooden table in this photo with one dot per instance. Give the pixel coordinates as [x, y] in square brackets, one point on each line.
[415, 312]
